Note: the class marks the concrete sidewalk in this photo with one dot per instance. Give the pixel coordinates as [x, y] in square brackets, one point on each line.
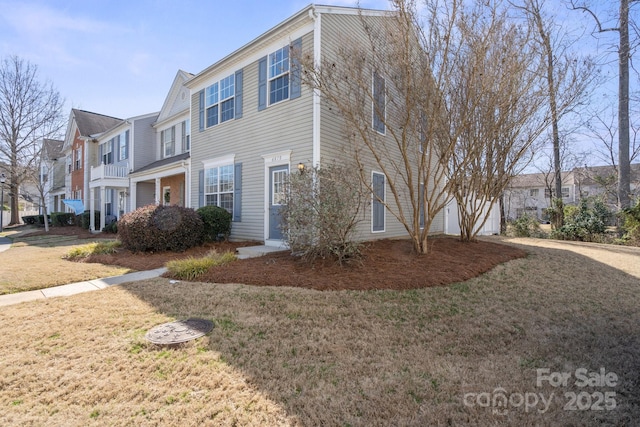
[5, 243]
[76, 288]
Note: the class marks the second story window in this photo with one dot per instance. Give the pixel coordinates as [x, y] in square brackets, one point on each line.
[379, 103]
[220, 101]
[186, 135]
[168, 137]
[123, 146]
[77, 158]
[533, 192]
[279, 75]
[106, 152]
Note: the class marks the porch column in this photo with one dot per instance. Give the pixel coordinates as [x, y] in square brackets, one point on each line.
[132, 196]
[158, 192]
[92, 201]
[102, 207]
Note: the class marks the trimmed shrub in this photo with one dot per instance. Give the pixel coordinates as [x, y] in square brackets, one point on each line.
[61, 219]
[217, 223]
[160, 228]
[111, 228]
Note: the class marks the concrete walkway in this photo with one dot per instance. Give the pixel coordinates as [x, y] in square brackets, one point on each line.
[5, 243]
[79, 287]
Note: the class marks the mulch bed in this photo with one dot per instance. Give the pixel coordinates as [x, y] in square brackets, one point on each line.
[386, 264]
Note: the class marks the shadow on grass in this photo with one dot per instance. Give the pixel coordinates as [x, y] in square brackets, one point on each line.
[415, 357]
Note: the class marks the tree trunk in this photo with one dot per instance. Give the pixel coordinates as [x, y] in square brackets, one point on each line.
[624, 171]
[14, 203]
[503, 216]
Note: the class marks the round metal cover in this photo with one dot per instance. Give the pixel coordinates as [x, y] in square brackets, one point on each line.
[179, 331]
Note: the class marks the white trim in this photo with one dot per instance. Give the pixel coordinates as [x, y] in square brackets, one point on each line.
[219, 161]
[270, 160]
[384, 198]
[317, 54]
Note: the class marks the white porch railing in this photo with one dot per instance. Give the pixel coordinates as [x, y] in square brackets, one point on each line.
[108, 171]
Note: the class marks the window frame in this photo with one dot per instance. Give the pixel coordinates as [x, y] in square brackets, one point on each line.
[215, 176]
[220, 99]
[107, 156]
[123, 146]
[276, 72]
[381, 126]
[186, 135]
[165, 144]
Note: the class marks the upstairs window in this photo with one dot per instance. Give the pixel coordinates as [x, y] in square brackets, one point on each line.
[279, 75]
[106, 152]
[220, 101]
[186, 135]
[123, 146]
[168, 141]
[379, 103]
[77, 158]
[534, 192]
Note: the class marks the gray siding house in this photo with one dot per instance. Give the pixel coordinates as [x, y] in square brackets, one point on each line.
[253, 122]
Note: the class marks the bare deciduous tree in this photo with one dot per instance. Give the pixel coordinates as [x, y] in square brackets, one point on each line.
[624, 58]
[498, 111]
[29, 111]
[397, 75]
[567, 77]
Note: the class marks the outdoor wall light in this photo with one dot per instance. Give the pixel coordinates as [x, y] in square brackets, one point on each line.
[301, 167]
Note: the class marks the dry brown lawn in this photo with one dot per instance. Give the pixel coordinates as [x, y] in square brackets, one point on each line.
[293, 356]
[35, 261]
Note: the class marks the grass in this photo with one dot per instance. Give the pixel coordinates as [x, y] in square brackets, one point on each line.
[191, 268]
[289, 356]
[93, 248]
[37, 262]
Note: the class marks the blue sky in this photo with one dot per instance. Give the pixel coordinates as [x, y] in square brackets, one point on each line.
[119, 58]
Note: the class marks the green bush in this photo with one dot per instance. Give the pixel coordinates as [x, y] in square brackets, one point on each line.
[191, 268]
[217, 223]
[160, 228]
[526, 226]
[586, 222]
[61, 219]
[84, 219]
[111, 228]
[631, 224]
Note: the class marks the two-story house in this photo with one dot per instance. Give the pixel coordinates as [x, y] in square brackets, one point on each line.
[143, 160]
[81, 128]
[113, 154]
[253, 121]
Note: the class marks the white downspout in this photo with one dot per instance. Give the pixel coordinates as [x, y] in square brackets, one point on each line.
[317, 50]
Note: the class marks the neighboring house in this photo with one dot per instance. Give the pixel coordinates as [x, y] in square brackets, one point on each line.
[143, 160]
[112, 155]
[53, 174]
[81, 128]
[531, 193]
[162, 176]
[252, 122]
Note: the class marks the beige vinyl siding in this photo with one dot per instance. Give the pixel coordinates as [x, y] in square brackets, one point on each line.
[283, 126]
[142, 141]
[338, 31]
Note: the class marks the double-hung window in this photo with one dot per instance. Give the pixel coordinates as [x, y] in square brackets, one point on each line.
[279, 75]
[379, 103]
[186, 135]
[168, 137]
[218, 187]
[220, 101]
[107, 152]
[123, 146]
[77, 154]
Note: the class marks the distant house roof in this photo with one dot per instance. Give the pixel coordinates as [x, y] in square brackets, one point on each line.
[163, 162]
[589, 174]
[92, 123]
[53, 148]
[533, 180]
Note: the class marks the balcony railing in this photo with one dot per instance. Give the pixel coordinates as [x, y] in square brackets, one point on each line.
[108, 171]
